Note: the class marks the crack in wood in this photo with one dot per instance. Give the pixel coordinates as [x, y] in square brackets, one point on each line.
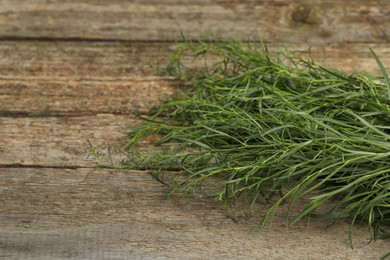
[37, 166]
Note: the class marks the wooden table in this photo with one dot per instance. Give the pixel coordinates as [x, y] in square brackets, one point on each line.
[76, 71]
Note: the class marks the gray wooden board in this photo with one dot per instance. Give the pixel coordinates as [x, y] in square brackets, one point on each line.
[72, 71]
[57, 96]
[114, 214]
[278, 21]
[62, 141]
[55, 60]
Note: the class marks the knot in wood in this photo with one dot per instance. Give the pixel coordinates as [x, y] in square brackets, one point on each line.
[301, 14]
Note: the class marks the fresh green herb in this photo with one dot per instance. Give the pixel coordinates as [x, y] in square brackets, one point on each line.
[275, 127]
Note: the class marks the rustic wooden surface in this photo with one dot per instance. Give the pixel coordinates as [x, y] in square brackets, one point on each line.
[302, 21]
[116, 60]
[61, 141]
[73, 71]
[88, 213]
[48, 96]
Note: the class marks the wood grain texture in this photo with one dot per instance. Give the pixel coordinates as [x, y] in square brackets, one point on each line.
[100, 214]
[73, 71]
[121, 60]
[80, 59]
[318, 22]
[61, 141]
[51, 96]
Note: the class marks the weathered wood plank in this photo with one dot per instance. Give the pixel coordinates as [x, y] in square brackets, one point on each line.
[61, 141]
[87, 213]
[89, 60]
[48, 96]
[72, 92]
[278, 21]
[53, 141]
[79, 59]
[59, 91]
